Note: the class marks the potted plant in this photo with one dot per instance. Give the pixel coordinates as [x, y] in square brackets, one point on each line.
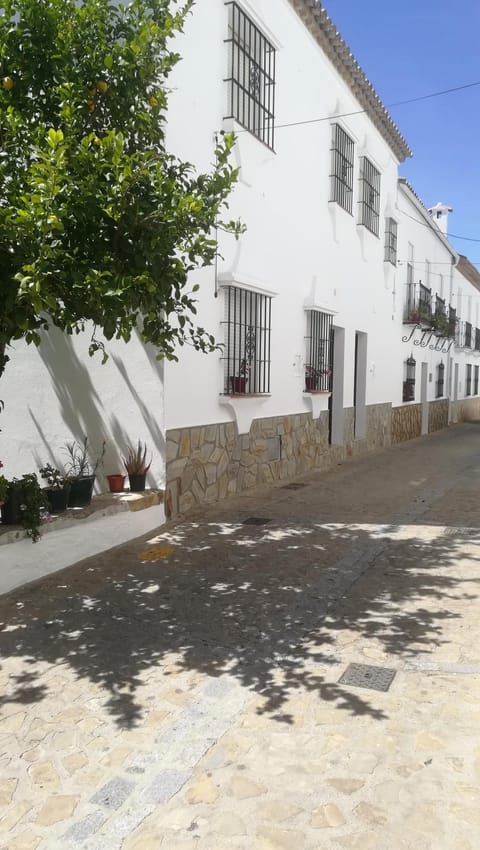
[81, 471]
[58, 488]
[312, 378]
[24, 502]
[238, 382]
[116, 482]
[136, 465]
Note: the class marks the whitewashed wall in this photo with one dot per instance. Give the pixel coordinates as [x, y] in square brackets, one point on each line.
[57, 393]
[297, 245]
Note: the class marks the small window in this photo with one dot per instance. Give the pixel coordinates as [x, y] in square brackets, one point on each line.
[369, 196]
[477, 339]
[342, 168]
[468, 380]
[247, 342]
[251, 76]
[318, 365]
[475, 379]
[440, 380]
[391, 243]
[468, 335]
[409, 380]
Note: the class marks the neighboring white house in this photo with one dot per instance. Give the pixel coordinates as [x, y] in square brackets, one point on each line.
[316, 304]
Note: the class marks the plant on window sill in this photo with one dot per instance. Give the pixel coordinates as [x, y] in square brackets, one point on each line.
[238, 383]
[313, 377]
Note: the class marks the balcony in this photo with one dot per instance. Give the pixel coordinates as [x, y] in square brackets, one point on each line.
[452, 322]
[477, 339]
[418, 307]
[468, 335]
[440, 322]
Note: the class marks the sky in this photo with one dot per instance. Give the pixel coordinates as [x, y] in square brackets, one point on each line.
[411, 49]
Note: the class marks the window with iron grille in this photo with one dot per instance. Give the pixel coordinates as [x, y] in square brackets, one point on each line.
[468, 335]
[318, 365]
[247, 327]
[468, 380]
[251, 76]
[477, 339]
[341, 177]
[409, 380]
[440, 380]
[475, 379]
[369, 196]
[391, 242]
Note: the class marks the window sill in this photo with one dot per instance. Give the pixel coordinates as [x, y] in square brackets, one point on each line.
[246, 395]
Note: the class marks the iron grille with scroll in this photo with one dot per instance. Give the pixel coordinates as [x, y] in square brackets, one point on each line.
[251, 76]
[247, 327]
[369, 196]
[318, 367]
[341, 178]
[440, 380]
[409, 381]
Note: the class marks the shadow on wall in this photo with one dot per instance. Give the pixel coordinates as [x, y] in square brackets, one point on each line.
[83, 410]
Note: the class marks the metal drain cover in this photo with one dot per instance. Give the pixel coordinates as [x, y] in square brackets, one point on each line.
[255, 520]
[368, 676]
[293, 486]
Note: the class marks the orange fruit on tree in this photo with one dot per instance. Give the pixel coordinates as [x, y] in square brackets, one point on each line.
[7, 83]
[152, 100]
[102, 87]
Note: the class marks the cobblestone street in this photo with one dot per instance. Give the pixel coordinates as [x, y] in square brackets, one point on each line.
[182, 691]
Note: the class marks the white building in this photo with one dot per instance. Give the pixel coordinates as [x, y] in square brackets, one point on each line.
[309, 303]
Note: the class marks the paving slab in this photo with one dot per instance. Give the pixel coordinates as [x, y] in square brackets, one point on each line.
[183, 690]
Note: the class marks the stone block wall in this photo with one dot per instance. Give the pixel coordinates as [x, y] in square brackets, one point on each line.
[437, 415]
[406, 422]
[212, 462]
[468, 409]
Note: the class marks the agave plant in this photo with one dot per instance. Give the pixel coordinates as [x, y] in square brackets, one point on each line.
[136, 460]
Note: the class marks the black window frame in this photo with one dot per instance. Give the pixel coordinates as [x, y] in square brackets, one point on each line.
[468, 379]
[440, 382]
[476, 370]
[247, 341]
[369, 201]
[468, 335]
[409, 380]
[343, 168]
[391, 231]
[319, 353]
[251, 76]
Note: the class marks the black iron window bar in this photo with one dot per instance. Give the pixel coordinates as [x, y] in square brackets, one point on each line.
[468, 335]
[391, 241]
[318, 366]
[409, 382]
[477, 339]
[369, 196]
[247, 335]
[440, 380]
[251, 76]
[341, 178]
[475, 379]
[468, 380]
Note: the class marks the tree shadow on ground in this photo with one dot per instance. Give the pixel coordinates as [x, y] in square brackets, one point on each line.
[253, 602]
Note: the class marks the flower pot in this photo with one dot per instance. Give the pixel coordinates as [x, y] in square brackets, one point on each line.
[311, 384]
[116, 482]
[137, 483]
[238, 384]
[58, 499]
[11, 508]
[81, 490]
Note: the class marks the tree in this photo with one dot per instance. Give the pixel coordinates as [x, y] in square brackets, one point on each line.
[98, 221]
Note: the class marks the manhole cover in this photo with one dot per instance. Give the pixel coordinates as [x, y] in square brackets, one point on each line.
[368, 676]
[255, 520]
[293, 486]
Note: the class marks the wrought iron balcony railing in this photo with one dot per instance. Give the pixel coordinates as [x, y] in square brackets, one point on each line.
[418, 307]
[477, 339]
[468, 335]
[452, 322]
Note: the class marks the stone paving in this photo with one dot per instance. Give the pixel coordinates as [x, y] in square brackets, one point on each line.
[183, 691]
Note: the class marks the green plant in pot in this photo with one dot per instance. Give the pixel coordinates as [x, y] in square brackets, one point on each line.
[136, 465]
[3, 486]
[57, 489]
[81, 470]
[23, 505]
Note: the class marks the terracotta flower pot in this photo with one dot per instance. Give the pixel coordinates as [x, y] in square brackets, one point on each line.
[116, 482]
[238, 384]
